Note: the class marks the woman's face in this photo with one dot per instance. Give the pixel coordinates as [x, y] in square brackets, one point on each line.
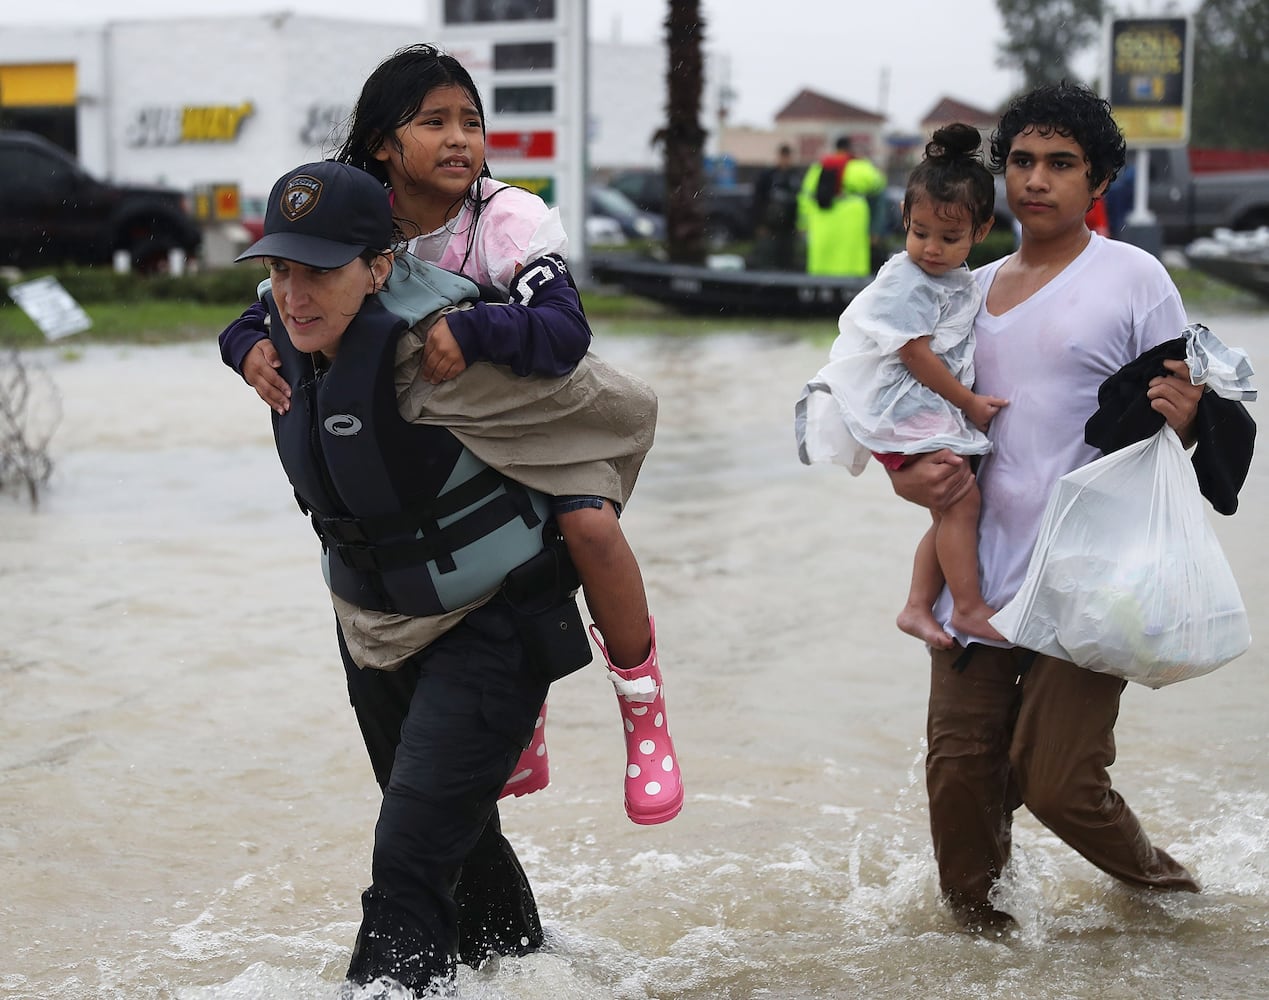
[441, 150]
[316, 304]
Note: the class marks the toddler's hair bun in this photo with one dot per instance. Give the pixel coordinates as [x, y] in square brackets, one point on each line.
[957, 141]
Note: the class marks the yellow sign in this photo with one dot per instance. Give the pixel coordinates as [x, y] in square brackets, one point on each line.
[217, 203]
[1150, 79]
[215, 123]
[543, 187]
[37, 85]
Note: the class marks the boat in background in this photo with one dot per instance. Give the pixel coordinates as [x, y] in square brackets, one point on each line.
[727, 289]
[1237, 258]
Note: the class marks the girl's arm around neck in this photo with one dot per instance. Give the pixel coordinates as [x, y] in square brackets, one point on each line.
[243, 334]
[541, 331]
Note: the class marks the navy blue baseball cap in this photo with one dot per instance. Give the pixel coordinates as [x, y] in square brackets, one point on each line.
[324, 215]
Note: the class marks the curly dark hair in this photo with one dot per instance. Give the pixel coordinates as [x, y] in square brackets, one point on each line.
[952, 173]
[1067, 109]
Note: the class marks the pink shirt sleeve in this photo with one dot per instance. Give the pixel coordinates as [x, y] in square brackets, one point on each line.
[506, 232]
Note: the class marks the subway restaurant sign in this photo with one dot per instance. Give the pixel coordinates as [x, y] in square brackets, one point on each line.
[1149, 67]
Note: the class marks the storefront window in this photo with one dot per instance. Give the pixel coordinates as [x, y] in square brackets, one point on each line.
[55, 124]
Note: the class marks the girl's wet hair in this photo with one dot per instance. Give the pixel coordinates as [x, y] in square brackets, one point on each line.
[389, 99]
[1070, 110]
[392, 94]
[952, 173]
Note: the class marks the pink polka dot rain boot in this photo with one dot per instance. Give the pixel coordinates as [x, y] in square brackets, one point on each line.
[533, 769]
[654, 785]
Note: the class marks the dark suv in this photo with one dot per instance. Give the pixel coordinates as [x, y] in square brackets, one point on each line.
[52, 212]
[728, 209]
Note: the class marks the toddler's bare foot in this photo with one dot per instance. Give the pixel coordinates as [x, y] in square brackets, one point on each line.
[920, 623]
[973, 621]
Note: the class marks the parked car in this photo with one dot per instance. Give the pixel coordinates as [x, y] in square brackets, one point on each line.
[53, 212]
[1188, 203]
[634, 222]
[728, 208]
[603, 231]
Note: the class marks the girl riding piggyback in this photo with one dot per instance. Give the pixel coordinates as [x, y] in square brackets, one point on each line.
[419, 127]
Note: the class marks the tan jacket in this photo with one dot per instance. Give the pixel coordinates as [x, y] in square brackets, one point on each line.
[582, 433]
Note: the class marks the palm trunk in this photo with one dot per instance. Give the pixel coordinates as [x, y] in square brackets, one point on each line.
[684, 136]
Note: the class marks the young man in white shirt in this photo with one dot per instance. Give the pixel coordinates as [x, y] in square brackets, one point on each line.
[1008, 727]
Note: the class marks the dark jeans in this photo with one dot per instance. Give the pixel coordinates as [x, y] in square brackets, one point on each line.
[1011, 728]
[444, 733]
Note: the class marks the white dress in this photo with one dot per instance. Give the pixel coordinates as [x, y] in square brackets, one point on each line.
[865, 399]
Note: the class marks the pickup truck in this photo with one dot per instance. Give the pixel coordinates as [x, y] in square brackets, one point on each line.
[53, 212]
[1189, 202]
[728, 208]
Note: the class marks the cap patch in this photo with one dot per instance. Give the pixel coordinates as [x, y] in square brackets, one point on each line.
[300, 196]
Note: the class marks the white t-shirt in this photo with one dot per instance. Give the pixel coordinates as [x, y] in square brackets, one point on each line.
[512, 229]
[1048, 356]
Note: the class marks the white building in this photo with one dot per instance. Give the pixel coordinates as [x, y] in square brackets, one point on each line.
[190, 102]
[628, 97]
[195, 101]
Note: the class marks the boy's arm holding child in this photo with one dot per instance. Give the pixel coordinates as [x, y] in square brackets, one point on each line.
[938, 480]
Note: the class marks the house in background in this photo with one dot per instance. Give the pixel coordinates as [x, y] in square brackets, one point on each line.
[949, 110]
[811, 123]
[906, 151]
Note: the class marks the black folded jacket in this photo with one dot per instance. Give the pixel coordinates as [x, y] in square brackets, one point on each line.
[1225, 434]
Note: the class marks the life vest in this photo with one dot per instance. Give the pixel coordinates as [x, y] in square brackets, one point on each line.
[832, 174]
[410, 521]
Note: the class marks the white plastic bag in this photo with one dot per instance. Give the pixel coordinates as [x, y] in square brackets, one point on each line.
[1127, 576]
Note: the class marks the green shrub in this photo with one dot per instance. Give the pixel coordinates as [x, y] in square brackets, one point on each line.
[999, 243]
[87, 285]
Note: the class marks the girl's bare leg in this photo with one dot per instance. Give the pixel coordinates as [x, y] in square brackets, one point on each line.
[917, 617]
[611, 580]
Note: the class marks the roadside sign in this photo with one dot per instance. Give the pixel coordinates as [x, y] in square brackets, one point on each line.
[50, 307]
[531, 145]
[1149, 64]
[528, 59]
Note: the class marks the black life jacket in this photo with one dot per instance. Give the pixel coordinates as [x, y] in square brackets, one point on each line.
[410, 520]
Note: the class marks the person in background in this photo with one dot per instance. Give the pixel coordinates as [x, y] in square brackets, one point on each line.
[775, 212]
[419, 129]
[899, 382]
[1096, 218]
[834, 212]
[1008, 727]
[1118, 199]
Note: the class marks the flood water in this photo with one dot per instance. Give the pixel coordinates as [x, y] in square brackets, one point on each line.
[186, 809]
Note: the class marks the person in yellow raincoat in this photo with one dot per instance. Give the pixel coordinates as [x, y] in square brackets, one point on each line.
[838, 237]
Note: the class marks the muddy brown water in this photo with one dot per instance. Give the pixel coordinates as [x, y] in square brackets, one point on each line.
[186, 810]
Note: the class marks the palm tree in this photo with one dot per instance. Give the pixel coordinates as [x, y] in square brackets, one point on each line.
[683, 136]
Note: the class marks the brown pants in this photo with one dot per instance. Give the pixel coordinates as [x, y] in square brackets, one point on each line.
[1003, 734]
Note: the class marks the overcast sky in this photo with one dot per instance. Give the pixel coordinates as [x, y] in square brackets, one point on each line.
[896, 57]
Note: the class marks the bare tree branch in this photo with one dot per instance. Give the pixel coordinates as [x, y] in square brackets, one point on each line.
[30, 410]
